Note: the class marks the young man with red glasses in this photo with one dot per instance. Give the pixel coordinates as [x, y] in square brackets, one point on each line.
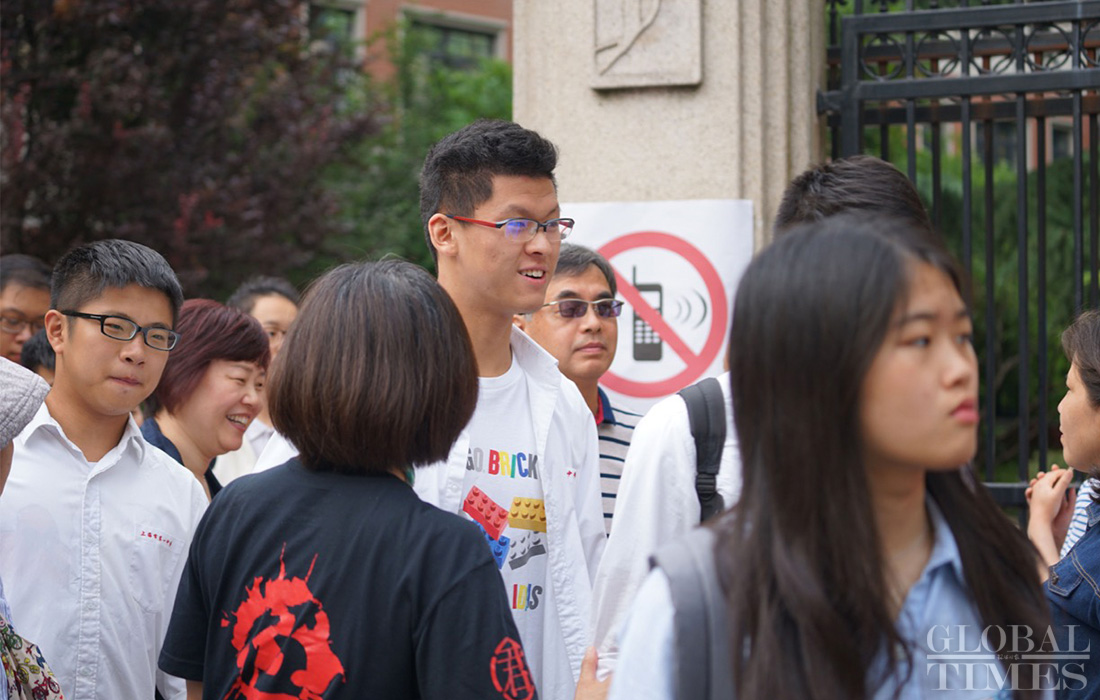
[526, 467]
[579, 325]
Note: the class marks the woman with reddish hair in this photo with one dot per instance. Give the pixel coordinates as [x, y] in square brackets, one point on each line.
[210, 390]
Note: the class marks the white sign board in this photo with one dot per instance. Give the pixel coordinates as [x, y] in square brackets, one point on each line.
[677, 264]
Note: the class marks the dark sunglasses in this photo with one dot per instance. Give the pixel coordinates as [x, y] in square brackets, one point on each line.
[578, 308]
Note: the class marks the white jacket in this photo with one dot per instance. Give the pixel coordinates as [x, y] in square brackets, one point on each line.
[657, 502]
[569, 472]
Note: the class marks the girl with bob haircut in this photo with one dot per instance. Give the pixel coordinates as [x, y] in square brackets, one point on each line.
[327, 577]
[211, 387]
[858, 532]
[1071, 584]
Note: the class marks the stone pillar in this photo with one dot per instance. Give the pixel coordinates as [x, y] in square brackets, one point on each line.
[739, 127]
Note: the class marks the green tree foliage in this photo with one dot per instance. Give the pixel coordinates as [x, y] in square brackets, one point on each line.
[200, 128]
[378, 191]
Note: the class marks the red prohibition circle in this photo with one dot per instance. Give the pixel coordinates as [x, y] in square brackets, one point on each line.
[696, 364]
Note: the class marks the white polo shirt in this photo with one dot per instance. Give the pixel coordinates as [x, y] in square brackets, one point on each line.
[91, 555]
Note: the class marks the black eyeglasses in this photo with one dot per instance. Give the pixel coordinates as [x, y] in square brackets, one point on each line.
[578, 308]
[121, 328]
[523, 230]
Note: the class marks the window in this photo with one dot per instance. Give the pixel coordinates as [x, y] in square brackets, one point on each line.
[1005, 144]
[336, 23]
[455, 47]
[1061, 142]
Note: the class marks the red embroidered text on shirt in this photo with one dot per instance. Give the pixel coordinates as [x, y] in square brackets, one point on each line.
[157, 537]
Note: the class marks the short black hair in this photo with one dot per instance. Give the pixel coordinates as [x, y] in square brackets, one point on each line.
[574, 260]
[84, 272]
[385, 378]
[37, 352]
[245, 296]
[458, 171]
[858, 183]
[24, 270]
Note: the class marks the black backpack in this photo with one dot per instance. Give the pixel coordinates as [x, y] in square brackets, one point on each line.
[706, 408]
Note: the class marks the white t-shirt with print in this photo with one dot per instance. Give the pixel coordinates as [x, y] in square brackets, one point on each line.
[503, 494]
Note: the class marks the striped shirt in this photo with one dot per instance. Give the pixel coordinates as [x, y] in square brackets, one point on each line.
[615, 428]
[1080, 515]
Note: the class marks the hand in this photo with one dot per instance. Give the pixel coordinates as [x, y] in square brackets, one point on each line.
[588, 688]
[1046, 495]
[1054, 469]
[1050, 502]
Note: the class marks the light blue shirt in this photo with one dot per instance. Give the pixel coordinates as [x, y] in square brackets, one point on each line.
[937, 619]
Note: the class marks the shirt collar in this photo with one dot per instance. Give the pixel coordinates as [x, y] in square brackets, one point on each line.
[1093, 512]
[257, 429]
[44, 424]
[945, 550]
[534, 359]
[152, 433]
[606, 415]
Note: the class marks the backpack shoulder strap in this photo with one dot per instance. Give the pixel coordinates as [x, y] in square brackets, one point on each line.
[702, 665]
[706, 408]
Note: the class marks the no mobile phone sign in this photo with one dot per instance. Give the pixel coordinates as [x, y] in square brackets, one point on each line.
[651, 328]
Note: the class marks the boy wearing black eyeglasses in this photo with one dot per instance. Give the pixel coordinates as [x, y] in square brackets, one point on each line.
[99, 518]
[579, 325]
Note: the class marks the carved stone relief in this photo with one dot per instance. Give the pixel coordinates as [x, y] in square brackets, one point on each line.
[643, 43]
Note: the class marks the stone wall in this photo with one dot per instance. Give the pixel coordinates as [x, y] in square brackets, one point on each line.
[739, 127]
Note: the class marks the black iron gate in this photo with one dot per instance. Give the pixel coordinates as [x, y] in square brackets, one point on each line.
[992, 110]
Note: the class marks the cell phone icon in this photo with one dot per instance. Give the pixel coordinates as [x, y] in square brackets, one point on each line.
[647, 344]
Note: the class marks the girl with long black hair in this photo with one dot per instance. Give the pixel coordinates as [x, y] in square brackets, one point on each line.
[860, 550]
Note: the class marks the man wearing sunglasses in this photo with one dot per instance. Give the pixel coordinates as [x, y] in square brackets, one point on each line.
[579, 325]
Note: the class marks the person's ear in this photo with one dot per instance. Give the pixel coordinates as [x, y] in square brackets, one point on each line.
[520, 322]
[441, 232]
[54, 323]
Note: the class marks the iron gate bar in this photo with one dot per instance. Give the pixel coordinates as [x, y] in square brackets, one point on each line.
[1022, 272]
[1041, 272]
[1040, 42]
[1037, 106]
[990, 309]
[964, 114]
[1094, 199]
[1078, 229]
[1054, 81]
[972, 17]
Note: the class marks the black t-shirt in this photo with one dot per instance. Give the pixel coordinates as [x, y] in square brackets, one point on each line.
[320, 585]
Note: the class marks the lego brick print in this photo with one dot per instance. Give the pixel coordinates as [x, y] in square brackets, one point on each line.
[498, 547]
[527, 514]
[486, 512]
[528, 546]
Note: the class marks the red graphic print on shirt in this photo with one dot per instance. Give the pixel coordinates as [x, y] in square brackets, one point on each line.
[281, 634]
[510, 673]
